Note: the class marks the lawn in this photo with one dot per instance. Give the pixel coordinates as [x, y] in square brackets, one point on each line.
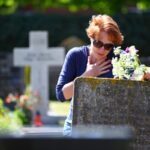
[59, 108]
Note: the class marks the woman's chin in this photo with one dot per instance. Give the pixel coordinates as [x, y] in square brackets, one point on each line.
[101, 57]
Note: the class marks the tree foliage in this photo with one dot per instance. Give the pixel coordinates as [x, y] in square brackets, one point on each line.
[100, 6]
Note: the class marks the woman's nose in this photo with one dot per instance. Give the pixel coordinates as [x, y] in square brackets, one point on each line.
[102, 49]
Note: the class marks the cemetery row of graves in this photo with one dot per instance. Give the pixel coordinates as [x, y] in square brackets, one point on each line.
[35, 97]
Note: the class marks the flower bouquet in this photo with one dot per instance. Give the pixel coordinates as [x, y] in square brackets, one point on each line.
[126, 64]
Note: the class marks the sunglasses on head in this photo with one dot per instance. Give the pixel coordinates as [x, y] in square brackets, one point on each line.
[99, 44]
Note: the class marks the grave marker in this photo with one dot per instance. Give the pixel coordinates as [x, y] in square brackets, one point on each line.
[100, 101]
[39, 57]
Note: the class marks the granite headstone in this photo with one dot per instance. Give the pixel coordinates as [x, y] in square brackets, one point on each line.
[114, 102]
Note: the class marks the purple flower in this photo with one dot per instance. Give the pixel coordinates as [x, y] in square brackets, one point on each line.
[127, 49]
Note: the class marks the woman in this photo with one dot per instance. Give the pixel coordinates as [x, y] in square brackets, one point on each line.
[93, 60]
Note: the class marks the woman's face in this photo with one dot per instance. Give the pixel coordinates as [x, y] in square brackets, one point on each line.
[101, 46]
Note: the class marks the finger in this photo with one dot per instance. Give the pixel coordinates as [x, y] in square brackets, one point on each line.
[103, 72]
[100, 61]
[105, 68]
[105, 63]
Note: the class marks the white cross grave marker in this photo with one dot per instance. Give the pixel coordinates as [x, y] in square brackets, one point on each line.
[39, 57]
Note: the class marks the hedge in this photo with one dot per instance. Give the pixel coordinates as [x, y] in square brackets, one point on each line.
[14, 29]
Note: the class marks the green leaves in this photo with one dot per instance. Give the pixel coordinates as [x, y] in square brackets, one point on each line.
[97, 6]
[9, 121]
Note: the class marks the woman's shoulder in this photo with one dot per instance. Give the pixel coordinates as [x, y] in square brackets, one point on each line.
[78, 50]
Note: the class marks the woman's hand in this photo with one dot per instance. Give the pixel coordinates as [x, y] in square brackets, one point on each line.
[98, 68]
[147, 76]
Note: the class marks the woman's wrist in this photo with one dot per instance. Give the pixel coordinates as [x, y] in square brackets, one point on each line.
[86, 74]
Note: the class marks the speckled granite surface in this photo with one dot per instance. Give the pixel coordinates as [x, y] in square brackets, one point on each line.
[114, 102]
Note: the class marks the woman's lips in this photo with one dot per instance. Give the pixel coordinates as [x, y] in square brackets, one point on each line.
[99, 54]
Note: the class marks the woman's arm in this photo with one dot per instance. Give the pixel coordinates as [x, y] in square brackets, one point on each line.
[64, 86]
[92, 70]
[68, 90]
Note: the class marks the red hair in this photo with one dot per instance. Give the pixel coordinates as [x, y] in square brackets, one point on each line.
[104, 23]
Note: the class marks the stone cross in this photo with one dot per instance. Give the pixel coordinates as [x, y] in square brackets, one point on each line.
[114, 102]
[39, 57]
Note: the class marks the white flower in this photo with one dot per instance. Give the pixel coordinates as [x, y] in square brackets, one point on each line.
[126, 64]
[117, 50]
[133, 51]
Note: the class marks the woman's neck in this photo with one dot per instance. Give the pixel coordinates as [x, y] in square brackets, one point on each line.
[93, 59]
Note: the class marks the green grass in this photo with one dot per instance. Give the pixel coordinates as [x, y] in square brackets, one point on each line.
[59, 108]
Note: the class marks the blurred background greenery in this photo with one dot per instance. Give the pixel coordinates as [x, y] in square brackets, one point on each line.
[103, 6]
